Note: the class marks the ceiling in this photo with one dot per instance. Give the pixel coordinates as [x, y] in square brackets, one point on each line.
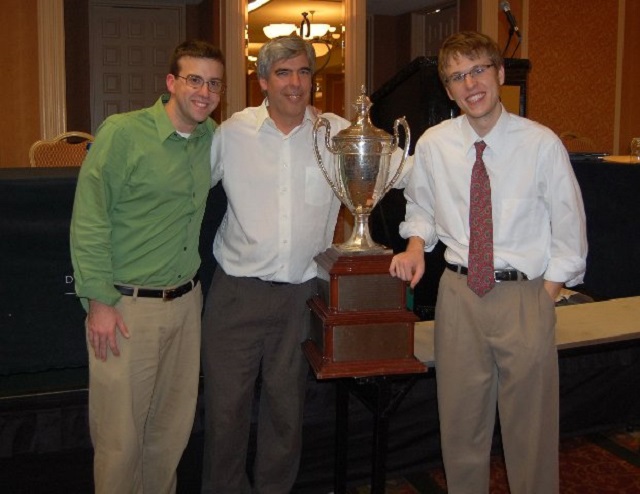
[397, 7]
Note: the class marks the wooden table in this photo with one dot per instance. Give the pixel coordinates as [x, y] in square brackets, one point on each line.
[577, 326]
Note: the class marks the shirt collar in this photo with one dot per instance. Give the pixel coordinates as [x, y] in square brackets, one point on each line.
[492, 139]
[165, 126]
[262, 116]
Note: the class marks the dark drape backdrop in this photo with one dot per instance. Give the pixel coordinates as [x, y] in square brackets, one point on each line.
[41, 321]
[41, 326]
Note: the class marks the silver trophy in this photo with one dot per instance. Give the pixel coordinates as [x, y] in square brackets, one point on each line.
[362, 157]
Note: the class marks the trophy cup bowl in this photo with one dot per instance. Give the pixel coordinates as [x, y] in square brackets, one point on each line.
[361, 162]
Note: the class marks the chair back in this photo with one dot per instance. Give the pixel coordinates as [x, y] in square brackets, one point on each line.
[576, 143]
[68, 149]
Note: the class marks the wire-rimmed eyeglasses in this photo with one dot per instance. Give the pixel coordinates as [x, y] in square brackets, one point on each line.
[195, 81]
[477, 71]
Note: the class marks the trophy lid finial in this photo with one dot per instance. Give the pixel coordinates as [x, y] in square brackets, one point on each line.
[362, 129]
[362, 105]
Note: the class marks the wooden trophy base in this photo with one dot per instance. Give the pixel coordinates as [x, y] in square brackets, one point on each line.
[359, 322]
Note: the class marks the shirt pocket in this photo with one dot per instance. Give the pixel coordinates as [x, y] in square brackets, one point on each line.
[317, 190]
[520, 218]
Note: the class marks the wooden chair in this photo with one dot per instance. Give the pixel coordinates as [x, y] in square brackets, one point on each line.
[68, 149]
[576, 143]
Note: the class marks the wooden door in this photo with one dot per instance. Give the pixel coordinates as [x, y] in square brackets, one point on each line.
[131, 47]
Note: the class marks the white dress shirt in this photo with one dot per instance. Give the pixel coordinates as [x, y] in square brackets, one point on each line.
[539, 223]
[281, 211]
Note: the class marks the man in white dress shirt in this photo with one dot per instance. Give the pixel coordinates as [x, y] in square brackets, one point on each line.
[499, 346]
[281, 213]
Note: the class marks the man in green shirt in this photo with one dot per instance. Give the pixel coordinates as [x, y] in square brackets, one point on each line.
[135, 231]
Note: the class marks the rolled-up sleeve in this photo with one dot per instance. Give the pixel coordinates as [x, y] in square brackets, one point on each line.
[568, 249]
[419, 192]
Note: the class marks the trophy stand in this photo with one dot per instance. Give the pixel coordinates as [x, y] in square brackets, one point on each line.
[359, 322]
[360, 325]
[361, 331]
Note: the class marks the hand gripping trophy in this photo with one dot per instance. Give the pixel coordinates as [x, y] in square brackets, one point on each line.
[362, 158]
[360, 324]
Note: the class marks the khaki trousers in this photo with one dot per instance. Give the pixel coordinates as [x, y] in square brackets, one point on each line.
[497, 349]
[142, 403]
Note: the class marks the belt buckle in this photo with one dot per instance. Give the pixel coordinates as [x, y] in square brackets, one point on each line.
[169, 295]
[508, 275]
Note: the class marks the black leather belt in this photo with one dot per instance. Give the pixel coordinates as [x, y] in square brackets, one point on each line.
[272, 283]
[166, 295]
[501, 275]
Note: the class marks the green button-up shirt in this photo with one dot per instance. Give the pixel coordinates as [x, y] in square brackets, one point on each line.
[139, 204]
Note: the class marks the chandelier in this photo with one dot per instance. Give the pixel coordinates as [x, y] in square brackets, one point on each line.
[321, 36]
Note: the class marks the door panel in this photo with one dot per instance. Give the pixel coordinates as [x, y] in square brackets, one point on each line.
[131, 47]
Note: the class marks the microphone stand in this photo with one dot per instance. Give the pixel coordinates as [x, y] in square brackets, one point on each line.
[506, 47]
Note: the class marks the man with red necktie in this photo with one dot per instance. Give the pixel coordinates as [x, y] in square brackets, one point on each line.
[499, 191]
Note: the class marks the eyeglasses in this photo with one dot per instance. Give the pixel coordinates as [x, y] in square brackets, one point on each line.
[477, 71]
[196, 82]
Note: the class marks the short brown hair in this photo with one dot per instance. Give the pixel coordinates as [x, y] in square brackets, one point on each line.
[196, 49]
[468, 44]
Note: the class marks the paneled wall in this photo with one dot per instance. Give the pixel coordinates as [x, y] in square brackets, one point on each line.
[630, 87]
[572, 83]
[20, 122]
[391, 42]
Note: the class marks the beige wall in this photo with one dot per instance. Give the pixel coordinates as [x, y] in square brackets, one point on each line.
[20, 122]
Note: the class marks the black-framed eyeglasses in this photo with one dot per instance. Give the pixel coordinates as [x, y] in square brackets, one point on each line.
[195, 81]
[477, 71]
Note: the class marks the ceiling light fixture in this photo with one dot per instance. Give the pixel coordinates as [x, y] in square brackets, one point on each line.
[319, 35]
[312, 30]
[276, 30]
[256, 4]
[321, 48]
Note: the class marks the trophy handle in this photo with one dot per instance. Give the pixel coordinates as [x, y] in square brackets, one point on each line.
[407, 139]
[323, 122]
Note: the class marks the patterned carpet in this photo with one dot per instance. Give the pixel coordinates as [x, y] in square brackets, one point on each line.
[606, 463]
[596, 464]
